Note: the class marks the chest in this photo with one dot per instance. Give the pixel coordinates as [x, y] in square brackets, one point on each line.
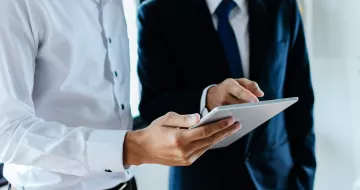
[80, 35]
[82, 44]
[71, 30]
[78, 16]
[198, 47]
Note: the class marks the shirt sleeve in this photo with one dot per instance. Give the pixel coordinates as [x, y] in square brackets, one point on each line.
[28, 140]
[203, 109]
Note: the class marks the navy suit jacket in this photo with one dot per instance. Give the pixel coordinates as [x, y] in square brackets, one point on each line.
[180, 55]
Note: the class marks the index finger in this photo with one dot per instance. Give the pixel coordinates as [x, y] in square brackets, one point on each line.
[172, 119]
[207, 130]
[242, 93]
[252, 86]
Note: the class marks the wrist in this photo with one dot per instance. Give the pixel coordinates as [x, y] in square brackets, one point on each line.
[133, 149]
[209, 103]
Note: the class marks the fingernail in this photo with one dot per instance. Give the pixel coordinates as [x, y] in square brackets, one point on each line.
[238, 127]
[252, 101]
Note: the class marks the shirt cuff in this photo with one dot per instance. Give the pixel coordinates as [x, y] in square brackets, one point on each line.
[105, 152]
[203, 109]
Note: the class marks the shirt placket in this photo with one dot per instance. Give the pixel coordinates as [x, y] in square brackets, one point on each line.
[114, 68]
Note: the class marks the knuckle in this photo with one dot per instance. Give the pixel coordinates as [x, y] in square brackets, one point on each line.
[223, 101]
[181, 154]
[229, 81]
[226, 123]
[239, 93]
[204, 132]
[176, 142]
[170, 115]
[211, 141]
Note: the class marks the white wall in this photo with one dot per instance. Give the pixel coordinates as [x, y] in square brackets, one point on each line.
[333, 28]
[130, 7]
[334, 127]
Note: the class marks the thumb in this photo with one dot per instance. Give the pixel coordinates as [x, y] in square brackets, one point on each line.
[182, 121]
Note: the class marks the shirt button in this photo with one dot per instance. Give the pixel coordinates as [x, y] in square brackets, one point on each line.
[116, 74]
[110, 40]
[122, 106]
[108, 170]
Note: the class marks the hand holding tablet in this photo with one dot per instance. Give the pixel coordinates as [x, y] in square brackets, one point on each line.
[250, 115]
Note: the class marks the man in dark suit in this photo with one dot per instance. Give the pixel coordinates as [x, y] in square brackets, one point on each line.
[194, 55]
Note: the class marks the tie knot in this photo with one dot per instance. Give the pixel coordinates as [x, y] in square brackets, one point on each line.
[225, 8]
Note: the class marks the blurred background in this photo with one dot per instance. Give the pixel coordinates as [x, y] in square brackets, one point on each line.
[333, 37]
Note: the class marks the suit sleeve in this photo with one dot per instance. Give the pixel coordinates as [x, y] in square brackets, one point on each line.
[299, 118]
[162, 88]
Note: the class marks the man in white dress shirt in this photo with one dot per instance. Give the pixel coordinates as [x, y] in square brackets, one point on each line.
[64, 100]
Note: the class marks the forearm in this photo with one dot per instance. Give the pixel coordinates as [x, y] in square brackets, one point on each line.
[75, 150]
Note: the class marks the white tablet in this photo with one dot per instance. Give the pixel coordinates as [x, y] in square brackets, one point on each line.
[250, 115]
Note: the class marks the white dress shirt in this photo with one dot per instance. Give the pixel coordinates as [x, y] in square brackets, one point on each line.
[239, 20]
[64, 93]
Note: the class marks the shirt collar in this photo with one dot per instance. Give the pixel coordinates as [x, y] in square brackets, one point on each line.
[213, 4]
